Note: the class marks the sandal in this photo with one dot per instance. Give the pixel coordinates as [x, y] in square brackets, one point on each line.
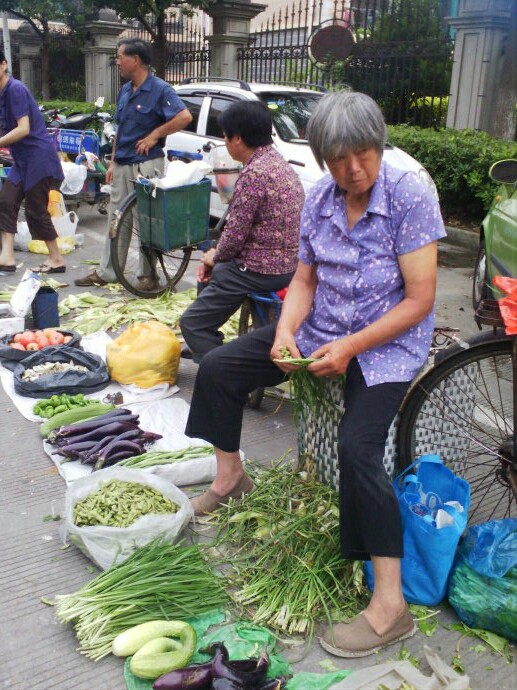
[45, 268]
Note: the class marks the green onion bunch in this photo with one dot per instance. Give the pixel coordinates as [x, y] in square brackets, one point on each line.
[282, 546]
[160, 581]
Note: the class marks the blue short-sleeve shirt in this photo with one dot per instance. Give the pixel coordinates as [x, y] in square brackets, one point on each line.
[34, 156]
[141, 111]
[359, 278]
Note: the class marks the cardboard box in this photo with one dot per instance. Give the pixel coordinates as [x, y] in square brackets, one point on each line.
[12, 315]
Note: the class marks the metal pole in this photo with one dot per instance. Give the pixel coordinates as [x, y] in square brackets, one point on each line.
[7, 40]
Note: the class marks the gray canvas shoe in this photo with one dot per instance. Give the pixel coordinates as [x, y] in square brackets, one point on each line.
[358, 638]
[209, 501]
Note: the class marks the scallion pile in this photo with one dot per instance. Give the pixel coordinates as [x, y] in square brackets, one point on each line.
[160, 581]
[284, 553]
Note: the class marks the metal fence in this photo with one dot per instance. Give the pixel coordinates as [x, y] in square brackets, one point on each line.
[188, 54]
[399, 52]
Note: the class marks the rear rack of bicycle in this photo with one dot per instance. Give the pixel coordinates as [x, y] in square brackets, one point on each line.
[489, 314]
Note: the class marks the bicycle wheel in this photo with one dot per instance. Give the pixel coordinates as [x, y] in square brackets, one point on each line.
[462, 410]
[249, 320]
[143, 270]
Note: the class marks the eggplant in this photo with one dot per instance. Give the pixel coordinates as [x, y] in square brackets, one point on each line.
[224, 669]
[96, 423]
[71, 450]
[91, 455]
[115, 447]
[150, 436]
[197, 677]
[115, 427]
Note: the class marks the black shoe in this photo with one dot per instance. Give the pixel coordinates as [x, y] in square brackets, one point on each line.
[186, 353]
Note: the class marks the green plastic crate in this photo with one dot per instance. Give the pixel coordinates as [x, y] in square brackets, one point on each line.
[174, 217]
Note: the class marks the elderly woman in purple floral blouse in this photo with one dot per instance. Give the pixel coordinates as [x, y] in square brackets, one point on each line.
[361, 302]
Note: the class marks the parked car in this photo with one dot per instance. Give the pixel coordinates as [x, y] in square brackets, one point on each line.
[497, 254]
[290, 107]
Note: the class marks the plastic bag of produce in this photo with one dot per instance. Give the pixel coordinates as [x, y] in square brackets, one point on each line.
[483, 585]
[106, 545]
[38, 376]
[145, 354]
[10, 356]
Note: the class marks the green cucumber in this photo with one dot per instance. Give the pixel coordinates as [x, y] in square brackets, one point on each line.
[77, 414]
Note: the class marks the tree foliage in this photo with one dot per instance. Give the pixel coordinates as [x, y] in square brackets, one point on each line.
[40, 14]
[152, 15]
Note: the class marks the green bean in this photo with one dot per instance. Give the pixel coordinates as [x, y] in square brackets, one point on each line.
[119, 504]
[166, 457]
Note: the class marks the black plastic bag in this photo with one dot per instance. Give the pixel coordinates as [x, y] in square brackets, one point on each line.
[71, 382]
[9, 356]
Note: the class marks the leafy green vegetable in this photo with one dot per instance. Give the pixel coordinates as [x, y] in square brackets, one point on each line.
[497, 643]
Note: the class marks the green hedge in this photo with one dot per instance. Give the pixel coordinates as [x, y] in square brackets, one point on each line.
[78, 106]
[458, 161]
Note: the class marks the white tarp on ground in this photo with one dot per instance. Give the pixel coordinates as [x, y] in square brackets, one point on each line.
[159, 412]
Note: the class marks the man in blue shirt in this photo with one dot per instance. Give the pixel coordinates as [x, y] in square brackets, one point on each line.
[148, 109]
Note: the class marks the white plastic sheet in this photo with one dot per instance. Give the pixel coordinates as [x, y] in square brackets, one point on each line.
[392, 674]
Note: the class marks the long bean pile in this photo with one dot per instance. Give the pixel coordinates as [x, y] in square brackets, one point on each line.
[166, 457]
[120, 504]
[282, 543]
[159, 581]
[96, 313]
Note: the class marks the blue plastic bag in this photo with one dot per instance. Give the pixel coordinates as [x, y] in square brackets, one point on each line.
[483, 584]
[429, 549]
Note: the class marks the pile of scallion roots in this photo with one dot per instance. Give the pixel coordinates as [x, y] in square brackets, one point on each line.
[281, 544]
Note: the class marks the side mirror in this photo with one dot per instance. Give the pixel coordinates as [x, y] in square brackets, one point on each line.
[99, 102]
[504, 172]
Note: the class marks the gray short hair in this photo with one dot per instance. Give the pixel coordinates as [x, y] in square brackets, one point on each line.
[345, 121]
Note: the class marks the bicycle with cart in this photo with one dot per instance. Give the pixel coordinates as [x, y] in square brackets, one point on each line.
[155, 231]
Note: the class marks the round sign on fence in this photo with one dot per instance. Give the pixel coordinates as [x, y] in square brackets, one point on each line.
[334, 41]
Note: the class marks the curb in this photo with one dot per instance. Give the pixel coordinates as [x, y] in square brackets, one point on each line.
[462, 237]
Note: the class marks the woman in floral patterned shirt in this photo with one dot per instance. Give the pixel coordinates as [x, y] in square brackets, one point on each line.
[258, 248]
[361, 302]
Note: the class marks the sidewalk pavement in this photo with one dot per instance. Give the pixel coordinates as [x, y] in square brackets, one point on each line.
[39, 653]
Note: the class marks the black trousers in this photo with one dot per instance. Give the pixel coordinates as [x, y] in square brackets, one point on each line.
[370, 521]
[36, 213]
[221, 298]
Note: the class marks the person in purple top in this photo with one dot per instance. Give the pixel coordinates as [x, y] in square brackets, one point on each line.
[35, 171]
[362, 303]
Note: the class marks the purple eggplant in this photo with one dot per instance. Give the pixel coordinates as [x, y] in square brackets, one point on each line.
[72, 450]
[96, 423]
[115, 427]
[198, 677]
[150, 436]
[97, 447]
[115, 447]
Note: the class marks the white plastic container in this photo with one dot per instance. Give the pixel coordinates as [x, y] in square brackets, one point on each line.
[12, 315]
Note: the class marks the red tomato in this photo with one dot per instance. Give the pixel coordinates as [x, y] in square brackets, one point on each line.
[17, 338]
[56, 338]
[38, 334]
[32, 347]
[27, 337]
[43, 342]
[16, 346]
[67, 339]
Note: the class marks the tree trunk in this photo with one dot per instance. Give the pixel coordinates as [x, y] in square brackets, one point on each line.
[45, 61]
[160, 47]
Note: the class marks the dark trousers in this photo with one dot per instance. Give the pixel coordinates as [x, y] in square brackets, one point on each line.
[368, 508]
[221, 298]
[369, 514]
[36, 208]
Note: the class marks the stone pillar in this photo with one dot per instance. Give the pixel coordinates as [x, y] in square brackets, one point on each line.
[484, 75]
[102, 37]
[29, 49]
[231, 27]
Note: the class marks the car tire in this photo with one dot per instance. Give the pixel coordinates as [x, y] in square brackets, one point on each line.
[480, 280]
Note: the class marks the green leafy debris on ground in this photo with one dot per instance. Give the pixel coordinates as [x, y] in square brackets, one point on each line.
[496, 643]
